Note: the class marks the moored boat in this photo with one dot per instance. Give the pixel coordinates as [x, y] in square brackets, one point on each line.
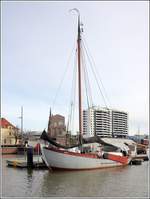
[8, 149]
[87, 154]
[66, 160]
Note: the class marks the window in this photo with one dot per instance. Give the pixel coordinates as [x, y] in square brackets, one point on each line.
[60, 123]
[55, 124]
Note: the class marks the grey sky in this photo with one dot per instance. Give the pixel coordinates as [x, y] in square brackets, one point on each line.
[37, 38]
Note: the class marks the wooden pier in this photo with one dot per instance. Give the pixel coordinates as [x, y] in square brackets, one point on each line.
[136, 161]
[22, 163]
[141, 156]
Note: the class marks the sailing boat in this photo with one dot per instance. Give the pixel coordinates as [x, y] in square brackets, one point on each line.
[77, 157]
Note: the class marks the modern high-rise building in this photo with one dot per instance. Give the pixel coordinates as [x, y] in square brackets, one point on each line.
[105, 122]
[102, 120]
[88, 122]
[119, 123]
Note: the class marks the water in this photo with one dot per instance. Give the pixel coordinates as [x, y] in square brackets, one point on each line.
[130, 181]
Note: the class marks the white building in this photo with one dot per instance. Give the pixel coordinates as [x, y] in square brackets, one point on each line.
[105, 122]
[102, 121]
[88, 122]
[119, 123]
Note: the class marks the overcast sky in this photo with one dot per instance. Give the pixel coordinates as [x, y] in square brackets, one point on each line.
[37, 38]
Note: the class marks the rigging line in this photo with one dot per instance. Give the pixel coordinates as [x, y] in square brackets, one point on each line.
[71, 112]
[95, 76]
[74, 91]
[70, 104]
[73, 101]
[99, 77]
[84, 74]
[75, 85]
[87, 81]
[63, 77]
[96, 72]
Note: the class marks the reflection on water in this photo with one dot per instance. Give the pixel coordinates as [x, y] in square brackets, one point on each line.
[130, 181]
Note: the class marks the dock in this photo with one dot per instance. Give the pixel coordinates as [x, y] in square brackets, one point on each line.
[22, 163]
[141, 156]
[136, 161]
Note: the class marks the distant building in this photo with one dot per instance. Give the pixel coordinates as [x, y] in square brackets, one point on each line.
[96, 121]
[56, 126]
[105, 122]
[9, 133]
[102, 119]
[141, 139]
[119, 123]
[88, 122]
[33, 137]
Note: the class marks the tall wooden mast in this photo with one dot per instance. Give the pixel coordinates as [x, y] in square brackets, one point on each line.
[79, 77]
[79, 81]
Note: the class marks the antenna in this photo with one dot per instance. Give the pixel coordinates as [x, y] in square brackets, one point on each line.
[21, 117]
[138, 133]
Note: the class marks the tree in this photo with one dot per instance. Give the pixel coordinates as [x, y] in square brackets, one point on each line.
[16, 134]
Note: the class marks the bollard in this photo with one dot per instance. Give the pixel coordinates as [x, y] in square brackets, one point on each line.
[30, 157]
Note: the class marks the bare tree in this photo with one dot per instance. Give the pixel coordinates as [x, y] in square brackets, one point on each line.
[16, 134]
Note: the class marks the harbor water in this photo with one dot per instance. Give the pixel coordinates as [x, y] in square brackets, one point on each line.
[129, 181]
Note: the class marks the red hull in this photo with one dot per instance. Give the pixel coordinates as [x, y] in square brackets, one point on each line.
[121, 159]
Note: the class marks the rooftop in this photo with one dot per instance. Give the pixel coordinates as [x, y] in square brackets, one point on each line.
[5, 123]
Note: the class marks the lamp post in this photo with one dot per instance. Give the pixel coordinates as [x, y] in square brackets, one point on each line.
[21, 122]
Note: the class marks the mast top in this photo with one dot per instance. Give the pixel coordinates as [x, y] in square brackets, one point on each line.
[79, 23]
[77, 11]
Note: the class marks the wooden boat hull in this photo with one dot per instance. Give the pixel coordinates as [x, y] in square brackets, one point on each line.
[8, 150]
[57, 159]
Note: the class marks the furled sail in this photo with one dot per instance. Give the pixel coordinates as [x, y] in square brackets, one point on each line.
[44, 136]
[95, 139]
